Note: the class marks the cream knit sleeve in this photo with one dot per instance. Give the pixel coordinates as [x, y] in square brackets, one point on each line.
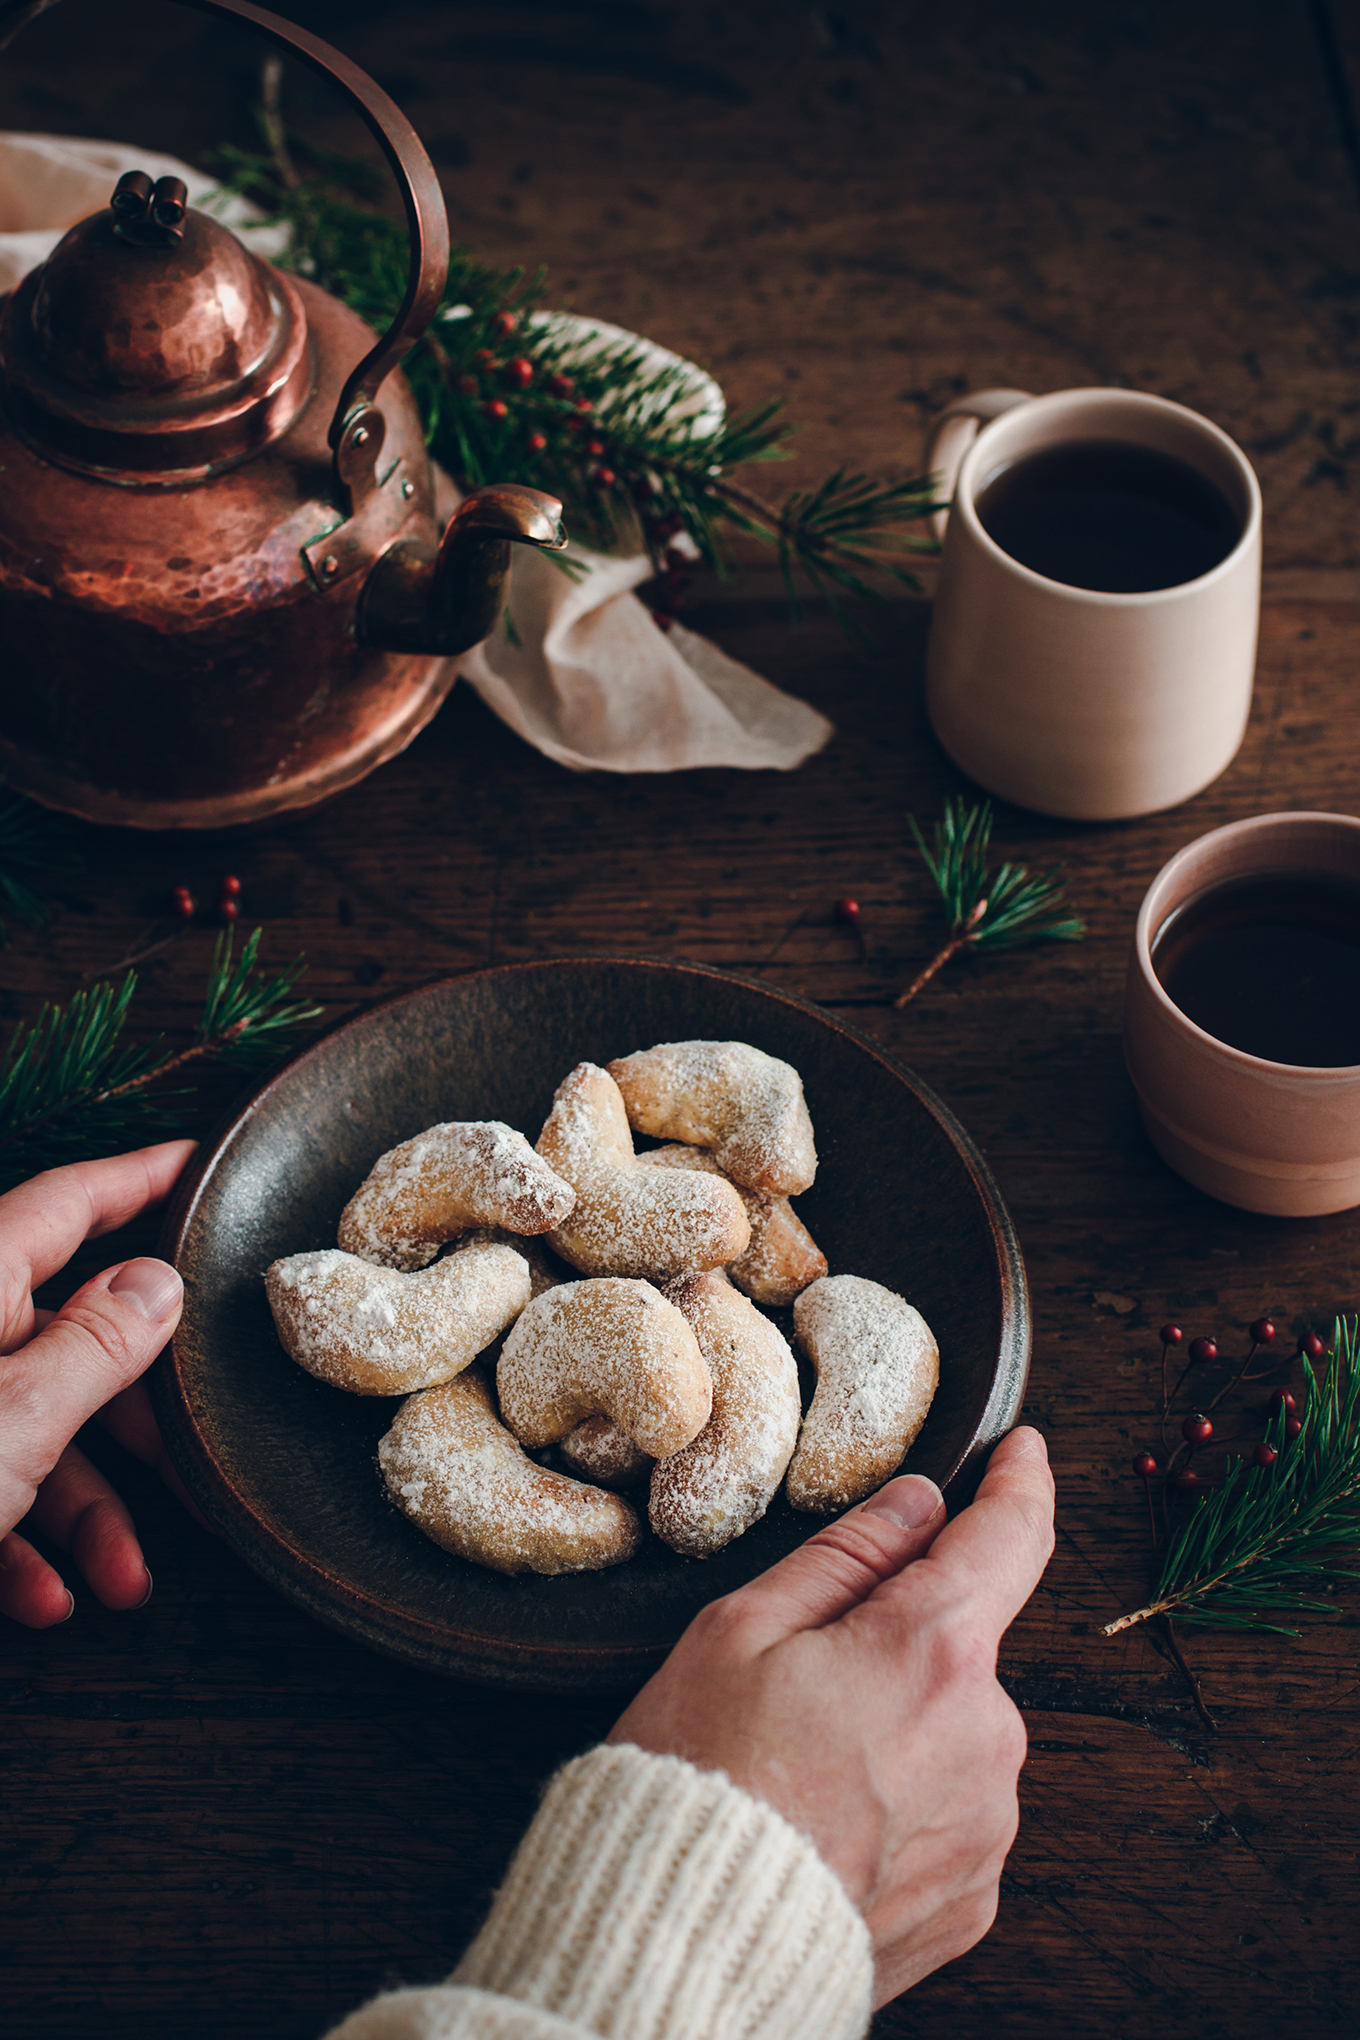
[650, 1901]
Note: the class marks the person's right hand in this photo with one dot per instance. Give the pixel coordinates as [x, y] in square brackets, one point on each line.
[853, 1687]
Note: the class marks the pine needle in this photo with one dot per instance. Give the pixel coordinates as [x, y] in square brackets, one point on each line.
[1248, 1551]
[668, 471]
[986, 910]
[70, 1088]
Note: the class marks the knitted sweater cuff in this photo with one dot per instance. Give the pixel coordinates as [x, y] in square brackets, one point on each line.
[654, 1901]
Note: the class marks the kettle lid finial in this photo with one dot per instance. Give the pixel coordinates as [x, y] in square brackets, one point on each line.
[152, 346]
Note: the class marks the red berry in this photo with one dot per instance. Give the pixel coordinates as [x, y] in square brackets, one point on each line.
[228, 909]
[847, 910]
[584, 404]
[1262, 1330]
[1293, 1427]
[1145, 1465]
[504, 322]
[1186, 1481]
[496, 409]
[537, 442]
[560, 385]
[1312, 1345]
[519, 372]
[1171, 1335]
[1197, 1430]
[1203, 1352]
[595, 448]
[604, 478]
[1283, 1400]
[484, 357]
[231, 884]
[1265, 1455]
[184, 902]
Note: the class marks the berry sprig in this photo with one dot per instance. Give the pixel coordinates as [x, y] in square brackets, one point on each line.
[228, 903]
[1285, 1511]
[509, 391]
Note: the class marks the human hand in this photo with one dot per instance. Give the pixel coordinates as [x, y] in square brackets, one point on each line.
[58, 1369]
[853, 1687]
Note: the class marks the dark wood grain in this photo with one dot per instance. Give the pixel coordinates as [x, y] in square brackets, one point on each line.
[222, 1817]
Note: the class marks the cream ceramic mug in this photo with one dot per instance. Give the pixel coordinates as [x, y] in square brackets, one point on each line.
[1081, 704]
[1275, 1137]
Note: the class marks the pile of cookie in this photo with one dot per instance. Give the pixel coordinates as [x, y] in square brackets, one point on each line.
[646, 1357]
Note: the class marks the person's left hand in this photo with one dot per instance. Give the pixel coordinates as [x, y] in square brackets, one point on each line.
[58, 1369]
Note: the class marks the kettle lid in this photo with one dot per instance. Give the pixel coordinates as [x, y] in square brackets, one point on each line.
[152, 346]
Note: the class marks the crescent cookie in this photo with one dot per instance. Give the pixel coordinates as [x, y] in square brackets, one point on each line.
[608, 1348]
[725, 1095]
[453, 1468]
[877, 1369]
[782, 1258]
[716, 1488]
[464, 1173]
[598, 1450]
[627, 1219]
[377, 1331]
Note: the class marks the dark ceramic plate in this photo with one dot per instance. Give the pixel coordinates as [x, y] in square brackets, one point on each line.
[284, 1466]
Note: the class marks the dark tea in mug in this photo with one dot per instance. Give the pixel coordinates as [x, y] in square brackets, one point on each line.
[1269, 963]
[1109, 515]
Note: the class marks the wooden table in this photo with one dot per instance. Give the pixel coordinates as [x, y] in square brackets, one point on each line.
[224, 1819]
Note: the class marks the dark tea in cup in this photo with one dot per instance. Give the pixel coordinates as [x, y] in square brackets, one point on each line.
[1109, 515]
[1269, 962]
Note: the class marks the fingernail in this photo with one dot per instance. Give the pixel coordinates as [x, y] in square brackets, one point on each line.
[1027, 1443]
[911, 1502]
[150, 1589]
[152, 1287]
[70, 1609]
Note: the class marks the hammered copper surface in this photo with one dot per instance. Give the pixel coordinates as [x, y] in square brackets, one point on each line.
[199, 483]
[284, 1466]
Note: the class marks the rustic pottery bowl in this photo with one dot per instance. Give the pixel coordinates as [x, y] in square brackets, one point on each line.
[284, 1466]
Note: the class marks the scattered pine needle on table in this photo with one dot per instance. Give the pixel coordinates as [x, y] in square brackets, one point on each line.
[986, 910]
[71, 1088]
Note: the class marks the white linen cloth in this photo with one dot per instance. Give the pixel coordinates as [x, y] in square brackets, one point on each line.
[592, 683]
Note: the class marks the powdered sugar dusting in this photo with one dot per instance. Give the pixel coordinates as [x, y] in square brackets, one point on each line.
[454, 1469]
[598, 1450]
[628, 1219]
[459, 1174]
[877, 1370]
[782, 1258]
[610, 1347]
[377, 1331]
[716, 1488]
[725, 1095]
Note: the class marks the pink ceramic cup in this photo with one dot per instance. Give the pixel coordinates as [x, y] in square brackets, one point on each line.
[1074, 702]
[1266, 1136]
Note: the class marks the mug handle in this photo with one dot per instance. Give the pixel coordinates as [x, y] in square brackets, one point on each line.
[954, 432]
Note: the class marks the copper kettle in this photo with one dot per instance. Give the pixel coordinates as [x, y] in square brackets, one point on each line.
[224, 590]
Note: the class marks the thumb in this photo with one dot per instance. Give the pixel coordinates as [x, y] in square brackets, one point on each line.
[101, 1339]
[842, 1564]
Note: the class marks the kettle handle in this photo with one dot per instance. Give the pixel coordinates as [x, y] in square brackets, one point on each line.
[426, 216]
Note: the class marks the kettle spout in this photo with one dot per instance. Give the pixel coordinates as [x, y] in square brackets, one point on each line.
[445, 599]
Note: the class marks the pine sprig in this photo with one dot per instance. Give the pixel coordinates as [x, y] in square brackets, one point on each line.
[986, 910]
[509, 391]
[70, 1087]
[1248, 1550]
